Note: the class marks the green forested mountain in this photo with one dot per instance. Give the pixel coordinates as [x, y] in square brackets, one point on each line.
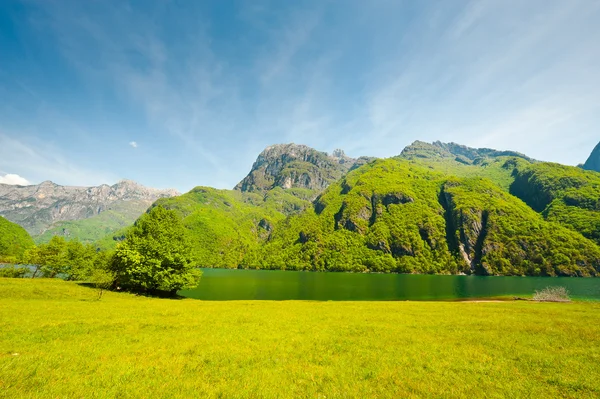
[564, 194]
[394, 216]
[14, 240]
[227, 223]
[436, 208]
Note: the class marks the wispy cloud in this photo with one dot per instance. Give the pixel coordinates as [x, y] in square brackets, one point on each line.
[207, 94]
[133, 144]
[508, 75]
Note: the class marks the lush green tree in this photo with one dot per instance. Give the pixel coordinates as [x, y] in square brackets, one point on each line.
[81, 260]
[156, 255]
[52, 258]
[70, 260]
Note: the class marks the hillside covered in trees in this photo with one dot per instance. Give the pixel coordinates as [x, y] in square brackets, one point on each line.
[435, 208]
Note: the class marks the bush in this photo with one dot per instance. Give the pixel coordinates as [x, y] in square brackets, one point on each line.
[13, 271]
[552, 294]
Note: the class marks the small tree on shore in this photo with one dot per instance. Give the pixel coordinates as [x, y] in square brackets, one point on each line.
[156, 255]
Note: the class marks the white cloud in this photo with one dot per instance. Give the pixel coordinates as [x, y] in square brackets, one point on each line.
[133, 144]
[14, 180]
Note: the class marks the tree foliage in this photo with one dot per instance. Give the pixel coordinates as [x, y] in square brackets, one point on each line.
[156, 255]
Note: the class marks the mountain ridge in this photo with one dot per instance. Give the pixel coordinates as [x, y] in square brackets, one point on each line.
[435, 208]
[40, 207]
[296, 166]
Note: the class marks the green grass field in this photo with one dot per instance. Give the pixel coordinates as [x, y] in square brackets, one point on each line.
[58, 341]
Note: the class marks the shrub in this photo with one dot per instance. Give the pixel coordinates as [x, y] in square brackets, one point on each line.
[552, 294]
[13, 271]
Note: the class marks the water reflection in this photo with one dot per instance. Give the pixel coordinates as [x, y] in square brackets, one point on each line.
[225, 284]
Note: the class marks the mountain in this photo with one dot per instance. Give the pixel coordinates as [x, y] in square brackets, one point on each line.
[85, 213]
[564, 194]
[593, 162]
[14, 240]
[394, 216]
[297, 166]
[227, 224]
[435, 208]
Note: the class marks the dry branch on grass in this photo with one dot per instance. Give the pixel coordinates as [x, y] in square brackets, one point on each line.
[552, 294]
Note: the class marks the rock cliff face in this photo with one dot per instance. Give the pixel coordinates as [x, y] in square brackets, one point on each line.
[297, 166]
[38, 207]
[593, 162]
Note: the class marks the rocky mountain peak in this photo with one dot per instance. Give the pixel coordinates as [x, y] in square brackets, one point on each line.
[338, 153]
[295, 166]
[593, 162]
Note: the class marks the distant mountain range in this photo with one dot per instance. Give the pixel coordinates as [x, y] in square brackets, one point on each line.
[434, 208]
[85, 213]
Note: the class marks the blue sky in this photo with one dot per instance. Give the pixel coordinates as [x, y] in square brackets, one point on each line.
[183, 93]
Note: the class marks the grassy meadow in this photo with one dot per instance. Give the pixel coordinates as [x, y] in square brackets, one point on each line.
[59, 341]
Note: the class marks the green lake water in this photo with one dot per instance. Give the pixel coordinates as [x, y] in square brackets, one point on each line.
[227, 284]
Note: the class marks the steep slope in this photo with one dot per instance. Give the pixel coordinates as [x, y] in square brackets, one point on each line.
[394, 216]
[593, 162]
[14, 240]
[44, 207]
[296, 166]
[224, 224]
[564, 194]
[462, 161]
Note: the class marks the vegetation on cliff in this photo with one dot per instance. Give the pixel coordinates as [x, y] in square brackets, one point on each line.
[391, 216]
[563, 194]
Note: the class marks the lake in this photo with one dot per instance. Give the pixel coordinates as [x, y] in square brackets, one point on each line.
[231, 284]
